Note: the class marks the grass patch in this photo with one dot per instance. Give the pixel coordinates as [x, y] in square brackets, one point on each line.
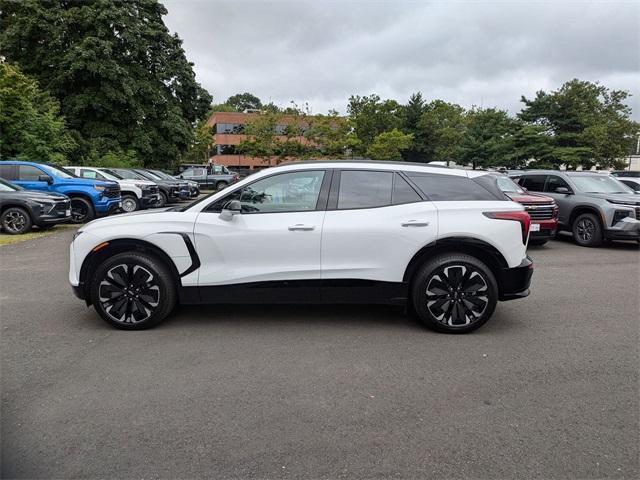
[33, 234]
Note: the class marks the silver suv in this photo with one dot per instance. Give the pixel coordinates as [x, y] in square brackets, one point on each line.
[594, 207]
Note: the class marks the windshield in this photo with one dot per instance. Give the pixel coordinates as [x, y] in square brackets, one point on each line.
[508, 186]
[58, 171]
[108, 171]
[160, 174]
[8, 187]
[148, 175]
[130, 174]
[599, 184]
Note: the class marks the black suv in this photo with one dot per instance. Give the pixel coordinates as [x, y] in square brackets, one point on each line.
[20, 209]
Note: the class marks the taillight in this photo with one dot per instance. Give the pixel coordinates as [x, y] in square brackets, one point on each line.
[522, 217]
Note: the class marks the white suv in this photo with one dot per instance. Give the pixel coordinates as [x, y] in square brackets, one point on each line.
[136, 194]
[446, 243]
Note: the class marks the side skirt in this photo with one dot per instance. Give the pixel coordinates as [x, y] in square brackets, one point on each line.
[338, 291]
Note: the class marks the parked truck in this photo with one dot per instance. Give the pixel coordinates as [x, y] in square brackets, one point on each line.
[212, 177]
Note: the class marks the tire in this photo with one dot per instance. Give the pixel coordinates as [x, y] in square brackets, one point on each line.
[133, 291]
[442, 288]
[16, 221]
[81, 210]
[162, 200]
[130, 203]
[221, 185]
[537, 242]
[587, 230]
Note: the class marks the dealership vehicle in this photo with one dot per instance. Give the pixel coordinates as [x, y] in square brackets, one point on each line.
[183, 191]
[194, 188]
[136, 194]
[20, 209]
[445, 243]
[167, 192]
[630, 178]
[89, 198]
[216, 177]
[594, 207]
[541, 208]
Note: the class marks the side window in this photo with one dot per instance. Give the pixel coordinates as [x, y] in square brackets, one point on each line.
[217, 170]
[403, 192]
[364, 189]
[553, 182]
[84, 173]
[287, 192]
[535, 183]
[629, 183]
[439, 188]
[8, 172]
[28, 173]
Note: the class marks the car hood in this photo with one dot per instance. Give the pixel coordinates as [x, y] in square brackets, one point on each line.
[52, 197]
[628, 198]
[129, 181]
[528, 197]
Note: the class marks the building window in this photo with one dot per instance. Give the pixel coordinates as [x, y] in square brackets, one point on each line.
[229, 128]
[226, 150]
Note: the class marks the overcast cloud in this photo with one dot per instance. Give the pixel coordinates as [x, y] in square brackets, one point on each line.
[472, 53]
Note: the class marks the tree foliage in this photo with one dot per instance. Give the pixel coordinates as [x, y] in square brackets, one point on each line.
[30, 123]
[441, 129]
[371, 116]
[389, 145]
[244, 101]
[586, 123]
[122, 79]
[487, 139]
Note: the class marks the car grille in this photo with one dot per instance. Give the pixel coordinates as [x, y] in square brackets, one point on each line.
[151, 189]
[637, 213]
[112, 192]
[539, 212]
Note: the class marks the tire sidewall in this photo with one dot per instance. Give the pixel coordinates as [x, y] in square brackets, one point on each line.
[162, 200]
[596, 239]
[28, 223]
[90, 213]
[422, 277]
[157, 268]
[130, 198]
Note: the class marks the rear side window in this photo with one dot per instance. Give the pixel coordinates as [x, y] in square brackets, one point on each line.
[403, 192]
[8, 172]
[535, 183]
[364, 189]
[440, 188]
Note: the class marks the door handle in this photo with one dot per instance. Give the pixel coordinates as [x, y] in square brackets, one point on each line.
[415, 223]
[301, 227]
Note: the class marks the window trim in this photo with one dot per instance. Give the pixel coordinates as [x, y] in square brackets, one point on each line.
[321, 203]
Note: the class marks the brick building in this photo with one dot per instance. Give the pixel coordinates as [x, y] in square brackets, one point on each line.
[228, 132]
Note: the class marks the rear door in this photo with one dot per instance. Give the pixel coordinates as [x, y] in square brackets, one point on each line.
[375, 222]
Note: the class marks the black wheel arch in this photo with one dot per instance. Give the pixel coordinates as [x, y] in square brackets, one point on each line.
[115, 247]
[580, 209]
[483, 251]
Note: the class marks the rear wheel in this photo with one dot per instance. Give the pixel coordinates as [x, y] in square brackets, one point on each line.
[130, 203]
[15, 220]
[587, 230]
[221, 185]
[454, 293]
[133, 291]
[81, 210]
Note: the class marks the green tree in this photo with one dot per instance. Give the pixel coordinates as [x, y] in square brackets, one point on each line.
[389, 145]
[531, 147]
[411, 114]
[122, 79]
[440, 131]
[261, 140]
[331, 136]
[370, 116]
[30, 123]
[198, 151]
[586, 123]
[244, 101]
[487, 141]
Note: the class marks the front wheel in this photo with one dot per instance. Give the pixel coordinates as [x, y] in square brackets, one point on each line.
[454, 293]
[81, 210]
[162, 200]
[15, 221]
[587, 230]
[133, 291]
[130, 203]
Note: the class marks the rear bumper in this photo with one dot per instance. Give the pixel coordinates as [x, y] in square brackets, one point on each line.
[514, 282]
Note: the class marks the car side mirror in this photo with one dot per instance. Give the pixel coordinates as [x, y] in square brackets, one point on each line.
[564, 190]
[229, 210]
[45, 178]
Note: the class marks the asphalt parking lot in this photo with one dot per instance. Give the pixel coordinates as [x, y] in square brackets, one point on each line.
[549, 388]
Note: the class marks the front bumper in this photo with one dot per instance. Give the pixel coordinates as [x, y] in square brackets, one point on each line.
[60, 212]
[514, 282]
[108, 207]
[626, 229]
[547, 230]
[149, 200]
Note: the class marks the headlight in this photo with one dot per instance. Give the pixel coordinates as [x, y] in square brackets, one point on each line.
[41, 201]
[141, 186]
[100, 188]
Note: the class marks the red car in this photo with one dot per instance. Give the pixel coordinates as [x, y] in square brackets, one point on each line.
[542, 210]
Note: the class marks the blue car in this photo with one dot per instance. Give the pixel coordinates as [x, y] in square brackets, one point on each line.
[89, 198]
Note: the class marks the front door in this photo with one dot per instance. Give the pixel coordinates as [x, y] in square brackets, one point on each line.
[28, 177]
[273, 242]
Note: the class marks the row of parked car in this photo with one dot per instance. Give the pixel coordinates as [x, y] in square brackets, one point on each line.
[41, 194]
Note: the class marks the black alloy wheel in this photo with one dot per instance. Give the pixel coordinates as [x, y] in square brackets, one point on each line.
[16, 221]
[81, 210]
[133, 291]
[587, 230]
[454, 293]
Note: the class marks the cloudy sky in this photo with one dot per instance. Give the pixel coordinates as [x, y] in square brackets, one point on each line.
[472, 53]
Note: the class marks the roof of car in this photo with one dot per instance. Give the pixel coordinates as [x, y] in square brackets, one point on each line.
[554, 172]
